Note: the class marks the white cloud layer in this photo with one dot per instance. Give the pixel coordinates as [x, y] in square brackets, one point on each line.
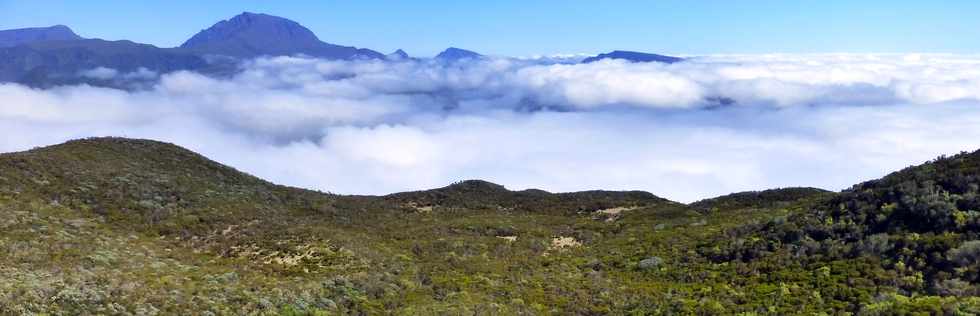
[374, 127]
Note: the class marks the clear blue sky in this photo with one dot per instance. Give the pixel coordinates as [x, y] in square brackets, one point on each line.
[521, 28]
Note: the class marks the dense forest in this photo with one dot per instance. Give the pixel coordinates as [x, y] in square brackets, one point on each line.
[132, 227]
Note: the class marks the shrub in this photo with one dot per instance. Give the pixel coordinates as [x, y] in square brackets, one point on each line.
[966, 254]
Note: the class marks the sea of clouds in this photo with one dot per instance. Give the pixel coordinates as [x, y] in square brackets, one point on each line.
[700, 128]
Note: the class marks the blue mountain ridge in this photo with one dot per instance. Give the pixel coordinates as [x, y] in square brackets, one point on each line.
[9, 38]
[250, 35]
[52, 56]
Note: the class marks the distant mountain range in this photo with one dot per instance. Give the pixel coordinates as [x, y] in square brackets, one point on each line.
[56, 55]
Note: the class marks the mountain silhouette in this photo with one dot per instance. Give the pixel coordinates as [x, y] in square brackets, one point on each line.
[398, 55]
[636, 57]
[250, 35]
[454, 54]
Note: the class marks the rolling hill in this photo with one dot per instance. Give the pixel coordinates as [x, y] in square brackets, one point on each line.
[123, 226]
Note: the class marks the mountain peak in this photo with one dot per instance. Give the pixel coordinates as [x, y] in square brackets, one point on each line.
[250, 19]
[398, 55]
[453, 54]
[250, 35]
[16, 37]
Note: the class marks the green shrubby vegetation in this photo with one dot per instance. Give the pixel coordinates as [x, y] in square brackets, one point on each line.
[129, 227]
[918, 224]
[767, 199]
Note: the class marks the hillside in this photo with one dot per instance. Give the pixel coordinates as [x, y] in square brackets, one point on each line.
[919, 227]
[122, 226]
[772, 198]
[482, 195]
[149, 184]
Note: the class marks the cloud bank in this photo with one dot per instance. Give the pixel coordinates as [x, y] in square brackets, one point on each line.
[708, 126]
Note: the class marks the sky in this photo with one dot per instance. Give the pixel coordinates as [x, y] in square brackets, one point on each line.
[527, 28]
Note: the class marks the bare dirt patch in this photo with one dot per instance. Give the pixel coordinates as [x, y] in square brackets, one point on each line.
[612, 214]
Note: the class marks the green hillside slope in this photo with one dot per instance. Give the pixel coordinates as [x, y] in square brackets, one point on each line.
[135, 227]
